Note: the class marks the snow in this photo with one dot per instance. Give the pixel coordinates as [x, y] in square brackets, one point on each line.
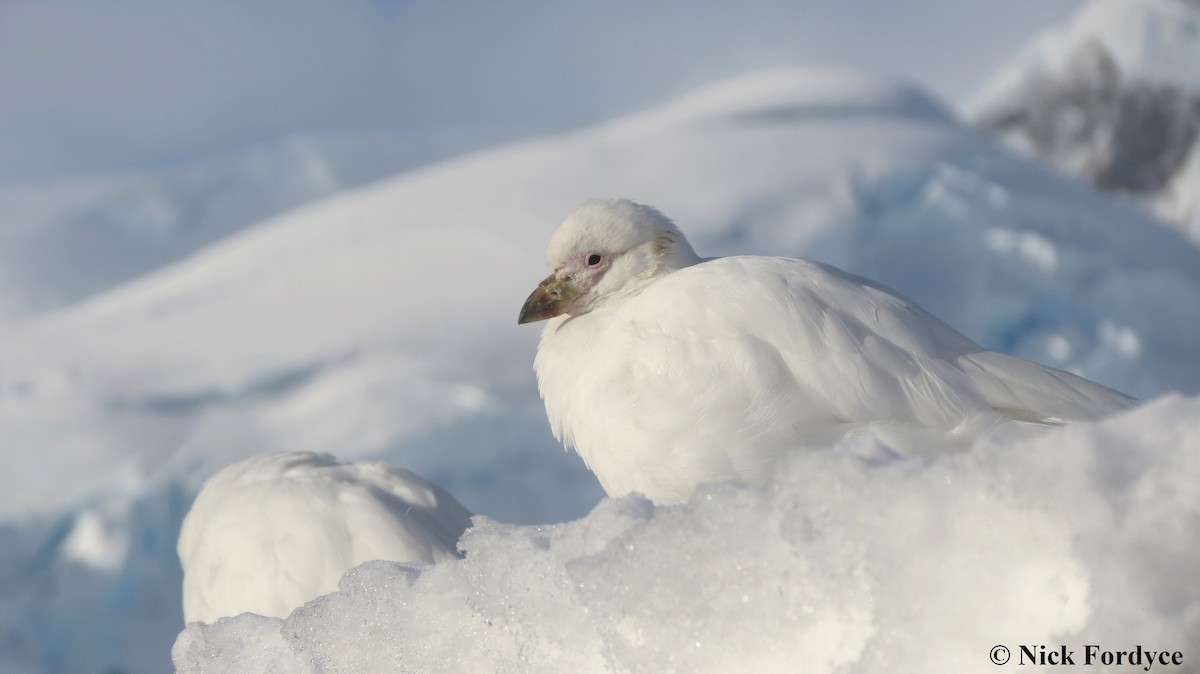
[380, 324]
[855, 560]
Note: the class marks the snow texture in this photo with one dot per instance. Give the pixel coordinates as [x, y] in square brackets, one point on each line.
[854, 560]
[1114, 98]
[380, 324]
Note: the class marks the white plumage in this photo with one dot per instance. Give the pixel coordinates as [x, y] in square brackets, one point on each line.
[665, 371]
[272, 532]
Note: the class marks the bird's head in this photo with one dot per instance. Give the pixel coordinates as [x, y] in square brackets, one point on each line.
[606, 249]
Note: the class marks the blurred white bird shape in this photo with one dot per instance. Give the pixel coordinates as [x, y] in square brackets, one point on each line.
[666, 371]
[272, 532]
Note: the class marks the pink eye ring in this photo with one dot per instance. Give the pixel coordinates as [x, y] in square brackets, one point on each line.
[594, 259]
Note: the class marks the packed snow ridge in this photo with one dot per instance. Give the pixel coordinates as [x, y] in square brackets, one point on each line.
[1114, 98]
[855, 559]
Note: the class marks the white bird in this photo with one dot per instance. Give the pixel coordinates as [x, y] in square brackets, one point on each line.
[272, 532]
[666, 371]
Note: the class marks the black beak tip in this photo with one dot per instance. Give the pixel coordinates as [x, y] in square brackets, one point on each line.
[532, 312]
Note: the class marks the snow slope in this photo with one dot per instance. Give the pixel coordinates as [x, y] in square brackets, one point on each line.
[381, 323]
[1112, 97]
[62, 242]
[856, 561]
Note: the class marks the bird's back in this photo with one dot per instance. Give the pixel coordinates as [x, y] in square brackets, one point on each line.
[274, 531]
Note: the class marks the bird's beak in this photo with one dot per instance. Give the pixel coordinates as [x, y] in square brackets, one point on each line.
[548, 300]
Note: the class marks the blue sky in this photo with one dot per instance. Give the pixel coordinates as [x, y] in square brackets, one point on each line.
[89, 87]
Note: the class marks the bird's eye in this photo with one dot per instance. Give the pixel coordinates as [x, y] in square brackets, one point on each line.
[594, 259]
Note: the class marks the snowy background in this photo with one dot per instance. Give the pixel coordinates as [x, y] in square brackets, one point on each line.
[228, 230]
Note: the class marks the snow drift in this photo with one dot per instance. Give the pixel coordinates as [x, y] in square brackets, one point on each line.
[855, 560]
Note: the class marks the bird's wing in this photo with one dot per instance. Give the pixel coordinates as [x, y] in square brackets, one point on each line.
[714, 370]
[857, 351]
[1026, 391]
[860, 352]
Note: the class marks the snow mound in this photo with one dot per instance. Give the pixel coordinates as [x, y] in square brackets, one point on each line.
[1112, 97]
[855, 560]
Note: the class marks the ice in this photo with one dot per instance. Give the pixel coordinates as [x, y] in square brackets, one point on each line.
[856, 560]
